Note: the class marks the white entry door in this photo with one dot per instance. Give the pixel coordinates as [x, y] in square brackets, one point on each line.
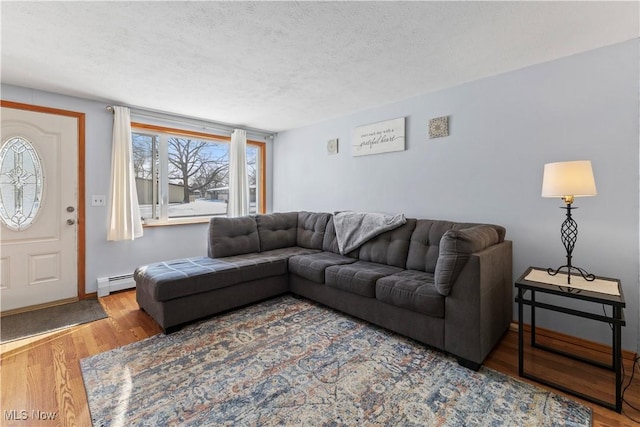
[38, 208]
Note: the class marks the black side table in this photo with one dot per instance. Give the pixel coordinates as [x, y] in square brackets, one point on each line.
[616, 321]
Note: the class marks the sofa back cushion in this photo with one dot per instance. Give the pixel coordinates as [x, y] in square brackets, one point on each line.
[277, 230]
[390, 247]
[330, 241]
[456, 247]
[425, 243]
[232, 236]
[311, 229]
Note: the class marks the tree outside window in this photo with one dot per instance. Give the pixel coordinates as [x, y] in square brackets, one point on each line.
[193, 177]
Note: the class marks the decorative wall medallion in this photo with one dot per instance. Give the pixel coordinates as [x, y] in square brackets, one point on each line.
[439, 127]
[21, 183]
[332, 146]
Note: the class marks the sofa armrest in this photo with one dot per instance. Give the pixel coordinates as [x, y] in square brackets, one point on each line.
[479, 308]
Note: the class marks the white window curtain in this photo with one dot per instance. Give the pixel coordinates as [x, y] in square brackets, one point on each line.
[124, 213]
[238, 204]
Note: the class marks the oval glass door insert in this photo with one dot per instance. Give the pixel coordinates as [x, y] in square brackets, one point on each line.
[21, 182]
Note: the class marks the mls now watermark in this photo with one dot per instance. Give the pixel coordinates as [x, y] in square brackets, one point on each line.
[24, 415]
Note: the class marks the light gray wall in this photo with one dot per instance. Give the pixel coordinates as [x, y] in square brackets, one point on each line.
[503, 130]
[105, 258]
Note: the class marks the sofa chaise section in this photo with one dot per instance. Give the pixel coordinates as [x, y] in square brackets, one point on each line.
[247, 262]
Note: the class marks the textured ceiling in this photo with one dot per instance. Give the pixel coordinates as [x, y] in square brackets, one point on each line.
[281, 65]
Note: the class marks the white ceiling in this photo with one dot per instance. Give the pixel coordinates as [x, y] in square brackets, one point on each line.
[282, 65]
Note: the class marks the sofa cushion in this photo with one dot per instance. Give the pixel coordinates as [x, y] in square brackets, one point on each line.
[232, 236]
[358, 278]
[287, 253]
[265, 262]
[330, 241]
[277, 230]
[312, 267]
[181, 277]
[455, 249]
[390, 247]
[258, 265]
[413, 290]
[424, 248]
[311, 229]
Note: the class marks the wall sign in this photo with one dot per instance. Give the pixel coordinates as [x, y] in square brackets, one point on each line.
[381, 137]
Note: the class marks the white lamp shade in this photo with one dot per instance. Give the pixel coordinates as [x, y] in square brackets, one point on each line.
[568, 179]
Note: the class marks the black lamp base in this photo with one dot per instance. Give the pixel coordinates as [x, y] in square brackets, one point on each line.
[569, 235]
[586, 276]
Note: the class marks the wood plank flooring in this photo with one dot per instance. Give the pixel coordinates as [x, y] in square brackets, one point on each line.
[41, 376]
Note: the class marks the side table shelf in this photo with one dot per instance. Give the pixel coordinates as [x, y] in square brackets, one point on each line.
[616, 320]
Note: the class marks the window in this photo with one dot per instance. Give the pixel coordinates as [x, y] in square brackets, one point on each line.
[21, 183]
[183, 176]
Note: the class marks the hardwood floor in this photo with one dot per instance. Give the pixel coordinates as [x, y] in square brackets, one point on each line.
[42, 375]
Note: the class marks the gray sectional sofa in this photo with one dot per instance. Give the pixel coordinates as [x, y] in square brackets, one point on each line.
[445, 284]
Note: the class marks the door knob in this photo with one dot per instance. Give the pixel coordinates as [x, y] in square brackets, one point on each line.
[71, 221]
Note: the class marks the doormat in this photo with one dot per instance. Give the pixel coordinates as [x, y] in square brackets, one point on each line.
[24, 325]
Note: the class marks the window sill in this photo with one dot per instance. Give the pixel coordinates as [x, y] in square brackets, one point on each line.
[177, 221]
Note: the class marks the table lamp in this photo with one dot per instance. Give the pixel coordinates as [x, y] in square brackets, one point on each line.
[568, 180]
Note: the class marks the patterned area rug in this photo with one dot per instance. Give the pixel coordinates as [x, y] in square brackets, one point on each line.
[288, 361]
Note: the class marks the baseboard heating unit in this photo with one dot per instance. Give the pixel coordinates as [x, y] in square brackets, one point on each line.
[106, 285]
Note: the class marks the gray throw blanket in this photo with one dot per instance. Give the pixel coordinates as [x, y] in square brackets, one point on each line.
[353, 228]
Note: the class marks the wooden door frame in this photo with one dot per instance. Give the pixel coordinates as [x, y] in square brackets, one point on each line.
[80, 236]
